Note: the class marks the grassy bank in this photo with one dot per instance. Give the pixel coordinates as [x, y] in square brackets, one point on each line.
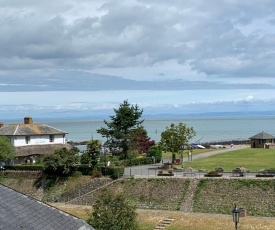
[148, 219]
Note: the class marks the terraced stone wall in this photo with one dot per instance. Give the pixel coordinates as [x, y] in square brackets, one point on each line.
[219, 196]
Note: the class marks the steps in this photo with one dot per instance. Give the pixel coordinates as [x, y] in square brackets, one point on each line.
[164, 223]
[187, 205]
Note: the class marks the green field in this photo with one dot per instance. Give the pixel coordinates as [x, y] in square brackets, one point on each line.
[251, 158]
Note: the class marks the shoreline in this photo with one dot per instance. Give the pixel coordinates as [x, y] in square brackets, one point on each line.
[234, 142]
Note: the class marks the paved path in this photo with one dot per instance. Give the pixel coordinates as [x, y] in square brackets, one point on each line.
[151, 170]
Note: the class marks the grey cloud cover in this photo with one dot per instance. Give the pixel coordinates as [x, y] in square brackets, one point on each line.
[139, 45]
[205, 34]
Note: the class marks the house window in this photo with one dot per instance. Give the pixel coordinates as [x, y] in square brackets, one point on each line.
[27, 139]
[51, 138]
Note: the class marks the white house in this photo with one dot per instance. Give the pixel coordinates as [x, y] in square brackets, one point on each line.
[31, 140]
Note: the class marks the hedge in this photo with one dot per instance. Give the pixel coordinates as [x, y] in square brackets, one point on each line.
[133, 162]
[24, 167]
[84, 169]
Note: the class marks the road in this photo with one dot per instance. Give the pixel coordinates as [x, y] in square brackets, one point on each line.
[152, 170]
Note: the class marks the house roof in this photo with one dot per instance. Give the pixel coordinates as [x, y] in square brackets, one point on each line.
[29, 150]
[29, 129]
[18, 211]
[262, 136]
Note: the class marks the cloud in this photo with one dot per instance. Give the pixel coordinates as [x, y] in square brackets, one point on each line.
[212, 37]
[84, 81]
[206, 48]
[154, 103]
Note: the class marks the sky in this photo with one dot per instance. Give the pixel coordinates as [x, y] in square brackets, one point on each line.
[83, 58]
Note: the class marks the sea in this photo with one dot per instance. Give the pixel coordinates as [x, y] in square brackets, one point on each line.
[208, 129]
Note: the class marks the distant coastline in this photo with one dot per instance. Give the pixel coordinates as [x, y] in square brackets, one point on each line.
[106, 114]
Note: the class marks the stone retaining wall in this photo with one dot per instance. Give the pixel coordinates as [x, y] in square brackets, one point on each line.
[209, 196]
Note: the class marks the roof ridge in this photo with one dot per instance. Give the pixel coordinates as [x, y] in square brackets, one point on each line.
[17, 126]
[55, 128]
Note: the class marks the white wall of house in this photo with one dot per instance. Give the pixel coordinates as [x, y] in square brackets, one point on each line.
[37, 140]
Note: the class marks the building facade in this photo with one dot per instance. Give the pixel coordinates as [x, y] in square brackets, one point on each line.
[32, 140]
[262, 140]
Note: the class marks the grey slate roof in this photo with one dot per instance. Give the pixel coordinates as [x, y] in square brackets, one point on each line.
[29, 129]
[262, 136]
[18, 211]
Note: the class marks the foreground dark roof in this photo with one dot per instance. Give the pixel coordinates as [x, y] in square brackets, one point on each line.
[29, 129]
[262, 136]
[18, 211]
[30, 150]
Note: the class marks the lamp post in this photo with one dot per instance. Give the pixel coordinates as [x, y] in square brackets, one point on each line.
[236, 216]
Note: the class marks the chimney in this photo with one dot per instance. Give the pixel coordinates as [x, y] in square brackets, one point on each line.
[28, 120]
[1, 124]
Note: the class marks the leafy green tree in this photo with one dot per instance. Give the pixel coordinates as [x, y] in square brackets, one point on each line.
[61, 161]
[93, 150]
[7, 151]
[176, 138]
[156, 152]
[113, 212]
[119, 130]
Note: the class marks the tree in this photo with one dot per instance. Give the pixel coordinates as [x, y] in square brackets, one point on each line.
[140, 141]
[175, 138]
[113, 212]
[93, 150]
[156, 153]
[7, 151]
[120, 128]
[61, 161]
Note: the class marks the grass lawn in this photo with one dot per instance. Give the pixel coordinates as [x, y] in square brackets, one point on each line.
[252, 159]
[148, 219]
[194, 152]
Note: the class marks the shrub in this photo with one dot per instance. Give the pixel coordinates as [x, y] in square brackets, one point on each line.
[155, 151]
[213, 174]
[114, 171]
[84, 159]
[24, 167]
[77, 174]
[96, 173]
[219, 169]
[84, 169]
[113, 211]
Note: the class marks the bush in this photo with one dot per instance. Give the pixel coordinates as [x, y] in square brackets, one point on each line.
[219, 169]
[213, 174]
[84, 169]
[84, 159]
[77, 174]
[113, 211]
[96, 173]
[61, 162]
[114, 171]
[155, 151]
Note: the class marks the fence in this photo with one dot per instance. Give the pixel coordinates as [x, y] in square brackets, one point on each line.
[154, 172]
